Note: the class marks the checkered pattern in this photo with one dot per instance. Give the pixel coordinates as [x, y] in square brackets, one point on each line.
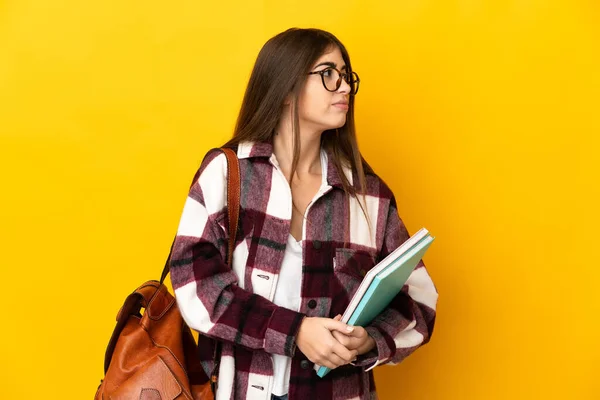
[234, 304]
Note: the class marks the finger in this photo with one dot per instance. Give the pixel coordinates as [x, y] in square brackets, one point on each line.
[342, 352]
[338, 317]
[358, 332]
[336, 360]
[341, 327]
[346, 341]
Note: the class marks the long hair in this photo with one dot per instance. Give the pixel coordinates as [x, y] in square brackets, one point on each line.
[280, 70]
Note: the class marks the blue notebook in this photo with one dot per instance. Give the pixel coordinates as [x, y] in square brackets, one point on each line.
[383, 282]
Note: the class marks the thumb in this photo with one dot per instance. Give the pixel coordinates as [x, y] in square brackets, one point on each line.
[334, 325]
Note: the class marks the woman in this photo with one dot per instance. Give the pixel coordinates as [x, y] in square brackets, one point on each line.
[314, 218]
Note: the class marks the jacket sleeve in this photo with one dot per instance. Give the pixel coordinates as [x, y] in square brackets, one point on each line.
[408, 321]
[206, 288]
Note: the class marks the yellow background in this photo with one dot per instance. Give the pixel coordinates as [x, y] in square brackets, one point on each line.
[483, 116]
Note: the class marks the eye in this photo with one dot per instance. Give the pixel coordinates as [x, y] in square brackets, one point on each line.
[327, 73]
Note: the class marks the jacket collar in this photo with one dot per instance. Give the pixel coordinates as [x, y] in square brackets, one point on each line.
[247, 150]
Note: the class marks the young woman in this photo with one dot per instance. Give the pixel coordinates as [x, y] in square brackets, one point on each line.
[314, 219]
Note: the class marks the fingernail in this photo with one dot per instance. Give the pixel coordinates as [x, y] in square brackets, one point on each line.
[349, 328]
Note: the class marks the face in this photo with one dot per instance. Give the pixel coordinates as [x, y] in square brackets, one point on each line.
[320, 109]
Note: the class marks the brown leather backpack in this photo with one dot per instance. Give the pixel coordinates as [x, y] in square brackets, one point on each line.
[154, 356]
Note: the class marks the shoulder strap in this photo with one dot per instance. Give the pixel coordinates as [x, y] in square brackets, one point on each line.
[233, 198]
[233, 207]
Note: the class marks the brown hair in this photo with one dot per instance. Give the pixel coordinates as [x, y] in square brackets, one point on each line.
[280, 70]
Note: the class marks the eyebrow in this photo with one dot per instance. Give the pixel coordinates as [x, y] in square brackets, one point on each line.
[330, 64]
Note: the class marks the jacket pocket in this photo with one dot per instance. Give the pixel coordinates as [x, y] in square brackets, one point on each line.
[350, 267]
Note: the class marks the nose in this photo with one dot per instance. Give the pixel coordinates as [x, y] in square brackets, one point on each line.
[344, 87]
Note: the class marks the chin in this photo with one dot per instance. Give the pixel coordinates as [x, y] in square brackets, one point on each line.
[337, 123]
[333, 123]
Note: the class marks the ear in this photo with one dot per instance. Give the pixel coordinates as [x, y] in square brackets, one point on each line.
[288, 100]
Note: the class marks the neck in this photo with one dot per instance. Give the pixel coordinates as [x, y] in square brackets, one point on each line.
[309, 161]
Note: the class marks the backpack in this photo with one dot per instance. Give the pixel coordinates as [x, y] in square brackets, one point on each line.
[153, 356]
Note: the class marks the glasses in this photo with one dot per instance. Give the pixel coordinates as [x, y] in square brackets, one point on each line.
[332, 79]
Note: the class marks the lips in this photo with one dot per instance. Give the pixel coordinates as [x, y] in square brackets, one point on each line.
[342, 104]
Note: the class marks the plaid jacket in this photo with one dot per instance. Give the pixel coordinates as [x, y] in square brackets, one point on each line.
[234, 304]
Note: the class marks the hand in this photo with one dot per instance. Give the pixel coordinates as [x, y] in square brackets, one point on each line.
[316, 341]
[358, 339]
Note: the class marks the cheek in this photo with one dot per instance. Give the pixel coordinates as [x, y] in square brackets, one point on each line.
[314, 101]
[312, 110]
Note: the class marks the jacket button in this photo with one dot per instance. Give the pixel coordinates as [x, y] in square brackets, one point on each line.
[305, 364]
[317, 244]
[312, 303]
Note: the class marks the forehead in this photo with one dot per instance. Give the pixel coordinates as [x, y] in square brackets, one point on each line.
[333, 55]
